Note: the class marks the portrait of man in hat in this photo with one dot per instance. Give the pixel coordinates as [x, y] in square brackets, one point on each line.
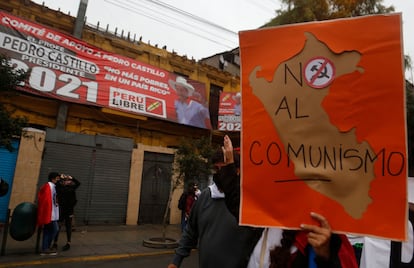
[188, 111]
[237, 103]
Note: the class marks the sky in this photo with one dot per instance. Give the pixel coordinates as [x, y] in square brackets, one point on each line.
[197, 28]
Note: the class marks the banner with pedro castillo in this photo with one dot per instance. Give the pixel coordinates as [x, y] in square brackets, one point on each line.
[324, 126]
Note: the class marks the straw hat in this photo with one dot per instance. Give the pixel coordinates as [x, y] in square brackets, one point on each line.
[237, 96]
[182, 82]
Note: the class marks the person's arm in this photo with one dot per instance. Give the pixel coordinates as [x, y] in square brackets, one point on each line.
[189, 204]
[332, 251]
[230, 178]
[207, 121]
[76, 183]
[342, 254]
[319, 236]
[189, 237]
[231, 189]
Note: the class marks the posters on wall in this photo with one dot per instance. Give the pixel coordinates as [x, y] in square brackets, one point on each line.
[324, 126]
[69, 69]
[229, 111]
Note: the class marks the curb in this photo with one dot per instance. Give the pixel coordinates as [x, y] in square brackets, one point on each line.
[54, 260]
[160, 242]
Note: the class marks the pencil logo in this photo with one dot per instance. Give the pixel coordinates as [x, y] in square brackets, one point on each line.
[226, 97]
[153, 106]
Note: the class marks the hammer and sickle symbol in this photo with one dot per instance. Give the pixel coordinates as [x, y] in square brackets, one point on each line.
[323, 73]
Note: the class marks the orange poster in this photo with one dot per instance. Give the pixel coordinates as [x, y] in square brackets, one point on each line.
[324, 126]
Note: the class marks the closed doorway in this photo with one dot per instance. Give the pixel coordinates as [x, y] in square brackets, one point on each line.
[155, 187]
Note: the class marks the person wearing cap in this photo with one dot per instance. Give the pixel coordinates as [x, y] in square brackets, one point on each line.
[189, 111]
[48, 213]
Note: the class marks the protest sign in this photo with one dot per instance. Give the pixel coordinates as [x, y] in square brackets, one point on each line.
[324, 125]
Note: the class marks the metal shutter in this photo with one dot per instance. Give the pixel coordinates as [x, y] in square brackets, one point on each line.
[7, 168]
[101, 164]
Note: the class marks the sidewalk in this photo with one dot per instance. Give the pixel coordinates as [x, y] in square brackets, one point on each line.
[91, 243]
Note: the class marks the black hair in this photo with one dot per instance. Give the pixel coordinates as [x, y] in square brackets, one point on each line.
[53, 175]
[280, 255]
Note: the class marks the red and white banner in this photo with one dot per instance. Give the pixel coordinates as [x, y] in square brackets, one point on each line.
[229, 111]
[65, 68]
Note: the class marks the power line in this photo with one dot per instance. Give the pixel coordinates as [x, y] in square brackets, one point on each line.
[192, 16]
[262, 6]
[179, 18]
[168, 23]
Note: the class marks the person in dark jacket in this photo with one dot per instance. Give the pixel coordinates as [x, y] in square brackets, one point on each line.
[66, 194]
[212, 228]
[311, 246]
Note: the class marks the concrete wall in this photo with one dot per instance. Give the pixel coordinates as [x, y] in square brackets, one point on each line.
[27, 170]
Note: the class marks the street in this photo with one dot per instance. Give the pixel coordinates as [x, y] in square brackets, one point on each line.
[156, 261]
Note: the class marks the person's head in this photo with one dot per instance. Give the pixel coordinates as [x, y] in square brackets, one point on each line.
[237, 98]
[53, 177]
[191, 187]
[218, 162]
[182, 87]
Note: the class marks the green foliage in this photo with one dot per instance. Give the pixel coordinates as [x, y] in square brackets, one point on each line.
[193, 159]
[410, 126]
[10, 78]
[408, 64]
[10, 127]
[316, 10]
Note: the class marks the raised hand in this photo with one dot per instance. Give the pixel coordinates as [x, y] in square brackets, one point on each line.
[319, 236]
[227, 150]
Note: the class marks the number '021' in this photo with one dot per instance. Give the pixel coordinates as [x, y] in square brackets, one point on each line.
[43, 79]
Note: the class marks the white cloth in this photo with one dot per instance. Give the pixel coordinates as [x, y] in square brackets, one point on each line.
[215, 192]
[55, 206]
[192, 113]
[410, 187]
[376, 252]
[268, 241]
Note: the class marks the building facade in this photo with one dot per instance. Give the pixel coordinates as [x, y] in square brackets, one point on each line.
[122, 159]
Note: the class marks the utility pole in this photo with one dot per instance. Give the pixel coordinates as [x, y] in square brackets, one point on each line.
[77, 32]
